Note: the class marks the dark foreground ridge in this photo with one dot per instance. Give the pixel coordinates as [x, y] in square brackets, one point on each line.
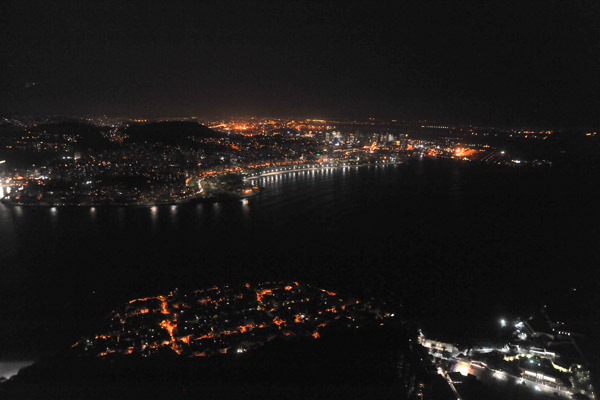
[341, 364]
[271, 340]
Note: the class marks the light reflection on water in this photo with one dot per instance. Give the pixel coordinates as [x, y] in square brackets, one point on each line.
[294, 187]
[154, 217]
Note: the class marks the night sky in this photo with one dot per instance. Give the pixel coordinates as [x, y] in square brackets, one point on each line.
[503, 62]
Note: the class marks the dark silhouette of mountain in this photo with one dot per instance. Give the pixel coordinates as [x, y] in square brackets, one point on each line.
[168, 132]
[66, 127]
[89, 135]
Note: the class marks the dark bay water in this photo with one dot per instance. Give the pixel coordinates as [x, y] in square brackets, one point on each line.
[454, 243]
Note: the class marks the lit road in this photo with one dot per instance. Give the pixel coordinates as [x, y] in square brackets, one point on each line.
[451, 384]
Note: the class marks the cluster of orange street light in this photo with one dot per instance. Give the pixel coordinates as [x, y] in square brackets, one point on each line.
[270, 298]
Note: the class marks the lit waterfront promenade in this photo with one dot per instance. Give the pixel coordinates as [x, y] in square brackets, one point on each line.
[315, 167]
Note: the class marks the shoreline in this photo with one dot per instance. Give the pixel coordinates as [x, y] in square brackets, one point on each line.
[287, 171]
[192, 198]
